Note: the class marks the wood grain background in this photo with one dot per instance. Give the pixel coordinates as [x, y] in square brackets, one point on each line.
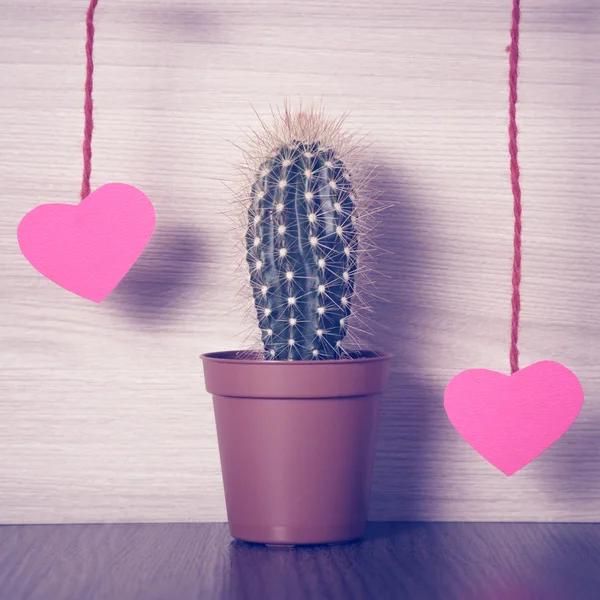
[103, 414]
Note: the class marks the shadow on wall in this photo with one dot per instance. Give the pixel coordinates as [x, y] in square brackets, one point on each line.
[571, 468]
[180, 22]
[165, 279]
[400, 475]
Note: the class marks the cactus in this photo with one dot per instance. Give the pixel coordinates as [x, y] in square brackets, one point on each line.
[302, 232]
[301, 248]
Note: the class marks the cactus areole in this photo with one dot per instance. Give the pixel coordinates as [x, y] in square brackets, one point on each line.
[302, 247]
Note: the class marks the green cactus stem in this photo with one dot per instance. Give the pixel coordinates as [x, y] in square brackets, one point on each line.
[302, 244]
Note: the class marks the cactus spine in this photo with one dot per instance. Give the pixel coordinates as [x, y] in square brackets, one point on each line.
[302, 247]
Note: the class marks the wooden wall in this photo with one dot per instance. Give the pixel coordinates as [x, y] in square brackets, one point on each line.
[103, 414]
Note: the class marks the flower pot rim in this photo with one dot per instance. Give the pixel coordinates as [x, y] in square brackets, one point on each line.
[245, 357]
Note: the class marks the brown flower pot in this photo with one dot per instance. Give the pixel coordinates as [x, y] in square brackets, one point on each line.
[297, 443]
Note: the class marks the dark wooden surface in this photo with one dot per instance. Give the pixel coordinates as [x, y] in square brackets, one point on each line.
[443, 561]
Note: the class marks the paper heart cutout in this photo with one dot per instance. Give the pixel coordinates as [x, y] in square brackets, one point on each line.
[512, 419]
[87, 248]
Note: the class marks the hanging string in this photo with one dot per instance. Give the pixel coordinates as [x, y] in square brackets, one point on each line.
[88, 108]
[513, 50]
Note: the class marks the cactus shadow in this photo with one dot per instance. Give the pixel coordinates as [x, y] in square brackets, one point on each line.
[400, 480]
[165, 279]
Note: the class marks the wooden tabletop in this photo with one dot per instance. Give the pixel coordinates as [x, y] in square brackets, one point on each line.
[416, 561]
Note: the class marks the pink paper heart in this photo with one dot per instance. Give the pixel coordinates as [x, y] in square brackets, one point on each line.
[87, 248]
[512, 419]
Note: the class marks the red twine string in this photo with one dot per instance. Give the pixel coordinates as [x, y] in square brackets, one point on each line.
[513, 148]
[88, 106]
